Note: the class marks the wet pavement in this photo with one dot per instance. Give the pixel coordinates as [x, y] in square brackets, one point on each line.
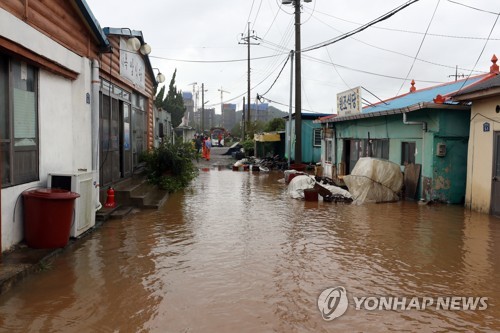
[232, 253]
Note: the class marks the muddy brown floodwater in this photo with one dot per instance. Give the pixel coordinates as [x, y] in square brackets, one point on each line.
[234, 254]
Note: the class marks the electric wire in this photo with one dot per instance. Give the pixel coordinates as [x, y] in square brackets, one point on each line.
[359, 29]
[395, 52]
[249, 14]
[279, 74]
[482, 51]
[321, 61]
[272, 23]
[475, 8]
[216, 61]
[256, 15]
[404, 31]
[419, 47]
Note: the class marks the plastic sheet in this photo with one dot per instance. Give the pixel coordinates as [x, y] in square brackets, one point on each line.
[298, 184]
[374, 180]
[302, 182]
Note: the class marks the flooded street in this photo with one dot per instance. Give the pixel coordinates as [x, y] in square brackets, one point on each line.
[233, 253]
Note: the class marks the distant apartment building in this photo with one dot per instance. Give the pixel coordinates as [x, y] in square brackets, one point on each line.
[189, 105]
[228, 116]
[208, 119]
[260, 112]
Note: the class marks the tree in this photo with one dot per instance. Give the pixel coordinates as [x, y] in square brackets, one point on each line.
[173, 103]
[276, 124]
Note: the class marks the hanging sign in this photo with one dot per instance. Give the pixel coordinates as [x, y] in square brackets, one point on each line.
[349, 102]
[132, 65]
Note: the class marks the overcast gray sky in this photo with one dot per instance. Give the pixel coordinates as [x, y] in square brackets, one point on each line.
[200, 39]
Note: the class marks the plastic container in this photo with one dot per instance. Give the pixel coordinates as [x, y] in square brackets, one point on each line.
[311, 194]
[48, 215]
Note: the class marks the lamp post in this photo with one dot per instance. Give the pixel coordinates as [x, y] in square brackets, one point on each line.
[298, 80]
[160, 78]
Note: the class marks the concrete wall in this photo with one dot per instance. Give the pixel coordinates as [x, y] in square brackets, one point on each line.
[64, 123]
[480, 154]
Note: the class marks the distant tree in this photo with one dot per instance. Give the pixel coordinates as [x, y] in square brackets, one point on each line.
[173, 102]
[159, 98]
[236, 131]
[276, 124]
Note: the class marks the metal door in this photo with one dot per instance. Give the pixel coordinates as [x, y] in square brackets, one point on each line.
[125, 141]
[495, 186]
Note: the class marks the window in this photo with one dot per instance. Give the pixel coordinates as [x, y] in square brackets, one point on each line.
[18, 121]
[407, 153]
[328, 150]
[355, 149]
[317, 137]
[380, 148]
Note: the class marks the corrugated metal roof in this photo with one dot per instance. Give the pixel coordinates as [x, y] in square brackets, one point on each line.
[426, 95]
[492, 82]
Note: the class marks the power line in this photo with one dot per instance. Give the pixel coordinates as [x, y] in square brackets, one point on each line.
[256, 15]
[363, 71]
[216, 61]
[279, 74]
[475, 8]
[403, 30]
[481, 53]
[395, 52]
[363, 27]
[419, 47]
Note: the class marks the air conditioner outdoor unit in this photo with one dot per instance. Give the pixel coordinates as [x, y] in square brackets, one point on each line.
[83, 184]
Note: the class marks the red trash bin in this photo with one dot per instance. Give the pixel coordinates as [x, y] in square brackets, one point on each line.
[48, 215]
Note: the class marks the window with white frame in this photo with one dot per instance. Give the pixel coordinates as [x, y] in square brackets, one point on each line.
[18, 121]
[328, 150]
[317, 137]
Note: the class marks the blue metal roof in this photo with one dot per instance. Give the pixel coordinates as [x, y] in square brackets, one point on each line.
[187, 95]
[426, 95]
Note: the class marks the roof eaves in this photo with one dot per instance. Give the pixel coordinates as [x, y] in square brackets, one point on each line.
[411, 108]
[94, 25]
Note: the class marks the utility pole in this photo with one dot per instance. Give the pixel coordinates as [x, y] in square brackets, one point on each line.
[222, 91]
[456, 75]
[298, 87]
[289, 151]
[246, 40]
[243, 120]
[202, 121]
[298, 81]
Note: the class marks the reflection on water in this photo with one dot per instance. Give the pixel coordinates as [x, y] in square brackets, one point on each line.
[234, 254]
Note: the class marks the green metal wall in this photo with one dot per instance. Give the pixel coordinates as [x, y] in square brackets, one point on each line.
[444, 177]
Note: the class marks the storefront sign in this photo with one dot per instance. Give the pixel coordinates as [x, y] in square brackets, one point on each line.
[349, 102]
[132, 65]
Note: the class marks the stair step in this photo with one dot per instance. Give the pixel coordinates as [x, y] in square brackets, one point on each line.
[121, 212]
[156, 199]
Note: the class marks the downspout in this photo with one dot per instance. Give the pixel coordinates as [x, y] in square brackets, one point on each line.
[96, 86]
[424, 130]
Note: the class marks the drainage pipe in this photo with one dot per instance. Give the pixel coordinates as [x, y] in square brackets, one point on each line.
[96, 86]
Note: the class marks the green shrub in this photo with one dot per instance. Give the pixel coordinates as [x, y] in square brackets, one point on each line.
[170, 166]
